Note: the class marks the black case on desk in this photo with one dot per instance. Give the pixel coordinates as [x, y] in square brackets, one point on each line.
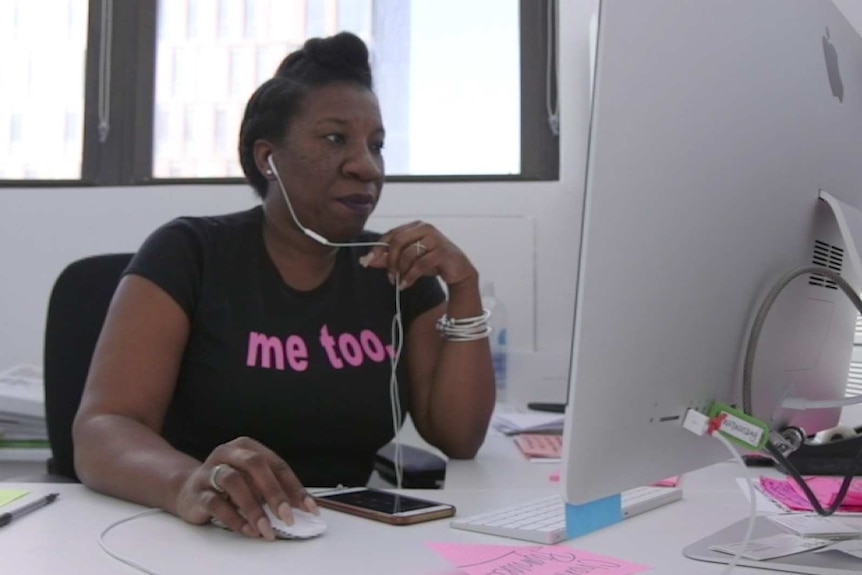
[422, 469]
[833, 458]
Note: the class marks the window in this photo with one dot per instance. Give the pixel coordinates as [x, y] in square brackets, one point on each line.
[42, 100]
[463, 85]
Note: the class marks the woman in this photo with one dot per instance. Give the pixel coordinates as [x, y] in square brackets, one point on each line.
[246, 355]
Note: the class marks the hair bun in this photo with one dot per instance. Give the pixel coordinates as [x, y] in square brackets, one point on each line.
[339, 58]
[344, 50]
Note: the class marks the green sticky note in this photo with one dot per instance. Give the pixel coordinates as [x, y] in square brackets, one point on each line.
[9, 495]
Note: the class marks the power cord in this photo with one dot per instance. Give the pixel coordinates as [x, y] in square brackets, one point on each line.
[763, 311]
[700, 424]
[855, 466]
[752, 498]
[748, 369]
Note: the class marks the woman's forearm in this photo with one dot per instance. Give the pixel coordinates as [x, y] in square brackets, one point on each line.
[463, 393]
[122, 457]
[462, 401]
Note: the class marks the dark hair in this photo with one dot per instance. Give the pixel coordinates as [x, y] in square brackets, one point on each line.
[320, 61]
[339, 58]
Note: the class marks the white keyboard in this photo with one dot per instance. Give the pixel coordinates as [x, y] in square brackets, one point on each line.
[544, 520]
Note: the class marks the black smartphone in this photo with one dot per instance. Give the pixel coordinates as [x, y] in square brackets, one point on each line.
[385, 506]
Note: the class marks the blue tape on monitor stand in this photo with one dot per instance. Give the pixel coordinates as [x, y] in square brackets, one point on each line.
[588, 517]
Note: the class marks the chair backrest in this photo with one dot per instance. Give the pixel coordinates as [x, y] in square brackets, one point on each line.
[76, 311]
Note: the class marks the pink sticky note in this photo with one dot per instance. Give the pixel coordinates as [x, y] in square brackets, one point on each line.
[667, 482]
[531, 560]
[826, 489]
[539, 445]
[555, 476]
[784, 493]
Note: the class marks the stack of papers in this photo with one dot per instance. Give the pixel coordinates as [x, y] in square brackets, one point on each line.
[852, 547]
[534, 422]
[813, 525]
[772, 547]
[22, 406]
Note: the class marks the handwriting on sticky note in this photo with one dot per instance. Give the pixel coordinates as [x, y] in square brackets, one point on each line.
[785, 492]
[826, 489]
[531, 560]
[539, 444]
[9, 495]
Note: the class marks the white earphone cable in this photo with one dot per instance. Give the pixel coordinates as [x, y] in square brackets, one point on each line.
[394, 398]
[397, 327]
[117, 556]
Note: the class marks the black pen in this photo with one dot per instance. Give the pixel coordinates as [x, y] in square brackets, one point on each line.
[6, 518]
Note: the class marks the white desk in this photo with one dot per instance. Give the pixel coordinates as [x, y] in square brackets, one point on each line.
[499, 466]
[62, 537]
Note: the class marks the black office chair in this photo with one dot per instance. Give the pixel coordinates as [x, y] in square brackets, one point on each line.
[76, 311]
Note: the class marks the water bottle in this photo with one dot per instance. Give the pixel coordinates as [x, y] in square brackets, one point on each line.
[497, 339]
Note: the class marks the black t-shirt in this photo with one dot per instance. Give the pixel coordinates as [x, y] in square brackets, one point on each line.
[306, 373]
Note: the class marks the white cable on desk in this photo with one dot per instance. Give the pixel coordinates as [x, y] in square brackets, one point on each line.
[116, 555]
[751, 496]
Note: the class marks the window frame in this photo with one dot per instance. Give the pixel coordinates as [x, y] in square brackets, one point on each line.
[125, 158]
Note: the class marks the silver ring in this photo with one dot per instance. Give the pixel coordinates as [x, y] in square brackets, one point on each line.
[419, 247]
[214, 476]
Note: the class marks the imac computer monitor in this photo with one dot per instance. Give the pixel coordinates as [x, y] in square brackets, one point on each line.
[715, 126]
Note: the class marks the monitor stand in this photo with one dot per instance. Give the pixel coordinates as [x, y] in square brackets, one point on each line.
[849, 221]
[810, 562]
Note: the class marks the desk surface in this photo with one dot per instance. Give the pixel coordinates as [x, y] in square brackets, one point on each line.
[63, 537]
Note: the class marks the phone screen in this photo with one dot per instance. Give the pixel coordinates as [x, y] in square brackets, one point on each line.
[381, 501]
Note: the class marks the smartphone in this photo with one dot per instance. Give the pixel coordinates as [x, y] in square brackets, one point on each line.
[385, 506]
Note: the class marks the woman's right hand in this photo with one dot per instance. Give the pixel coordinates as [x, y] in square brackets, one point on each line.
[234, 483]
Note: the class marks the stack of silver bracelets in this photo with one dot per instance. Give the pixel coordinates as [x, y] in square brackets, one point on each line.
[464, 329]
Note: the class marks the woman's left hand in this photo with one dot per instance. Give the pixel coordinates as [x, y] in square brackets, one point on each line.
[419, 249]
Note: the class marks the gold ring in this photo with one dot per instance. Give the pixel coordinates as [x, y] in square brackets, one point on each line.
[214, 476]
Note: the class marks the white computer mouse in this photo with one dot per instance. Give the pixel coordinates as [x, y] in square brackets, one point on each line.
[305, 525]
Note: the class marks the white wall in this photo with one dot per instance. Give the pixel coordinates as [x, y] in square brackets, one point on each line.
[524, 236]
[852, 10]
